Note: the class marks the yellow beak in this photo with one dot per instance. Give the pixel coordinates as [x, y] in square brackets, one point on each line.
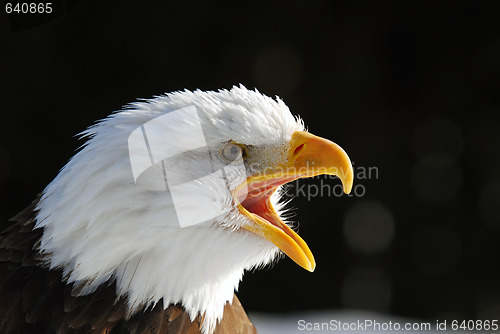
[307, 156]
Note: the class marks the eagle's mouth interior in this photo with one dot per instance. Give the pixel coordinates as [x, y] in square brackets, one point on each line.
[255, 197]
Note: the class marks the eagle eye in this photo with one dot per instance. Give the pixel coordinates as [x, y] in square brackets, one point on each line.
[232, 152]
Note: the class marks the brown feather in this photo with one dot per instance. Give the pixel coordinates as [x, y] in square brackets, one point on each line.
[34, 299]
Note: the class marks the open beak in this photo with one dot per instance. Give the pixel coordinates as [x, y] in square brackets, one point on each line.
[308, 155]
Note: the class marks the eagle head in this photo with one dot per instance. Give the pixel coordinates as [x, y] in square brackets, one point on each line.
[175, 197]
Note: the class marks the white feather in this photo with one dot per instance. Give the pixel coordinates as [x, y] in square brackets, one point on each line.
[99, 225]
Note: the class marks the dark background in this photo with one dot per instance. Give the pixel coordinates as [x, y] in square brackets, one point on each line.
[409, 90]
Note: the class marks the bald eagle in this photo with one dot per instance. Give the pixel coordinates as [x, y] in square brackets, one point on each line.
[151, 224]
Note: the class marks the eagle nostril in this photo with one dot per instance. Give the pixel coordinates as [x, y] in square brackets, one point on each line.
[298, 150]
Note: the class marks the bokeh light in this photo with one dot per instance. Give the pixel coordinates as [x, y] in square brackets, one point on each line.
[369, 227]
[437, 178]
